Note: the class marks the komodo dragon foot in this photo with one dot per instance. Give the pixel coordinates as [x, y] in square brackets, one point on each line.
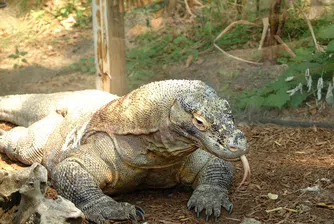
[105, 208]
[211, 199]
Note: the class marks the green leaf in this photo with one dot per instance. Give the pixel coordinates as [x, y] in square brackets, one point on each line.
[179, 39]
[207, 28]
[327, 32]
[266, 90]
[83, 69]
[17, 51]
[24, 60]
[277, 100]
[14, 56]
[92, 60]
[22, 53]
[75, 66]
[92, 70]
[330, 47]
[297, 99]
[255, 101]
[83, 60]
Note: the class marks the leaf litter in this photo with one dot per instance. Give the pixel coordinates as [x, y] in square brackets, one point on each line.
[276, 168]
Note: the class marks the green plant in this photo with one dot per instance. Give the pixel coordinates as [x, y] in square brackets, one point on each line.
[80, 9]
[310, 74]
[85, 65]
[18, 58]
[157, 50]
[24, 5]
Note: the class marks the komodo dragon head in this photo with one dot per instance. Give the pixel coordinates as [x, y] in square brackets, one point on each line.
[207, 119]
[187, 107]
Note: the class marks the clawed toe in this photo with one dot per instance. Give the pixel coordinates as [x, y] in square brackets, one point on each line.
[209, 199]
[190, 205]
[109, 209]
[228, 206]
[140, 212]
[133, 218]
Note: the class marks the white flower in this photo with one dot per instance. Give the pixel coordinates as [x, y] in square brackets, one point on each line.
[288, 79]
[299, 87]
[308, 80]
[319, 87]
[329, 91]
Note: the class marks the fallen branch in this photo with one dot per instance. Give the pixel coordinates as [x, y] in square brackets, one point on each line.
[274, 209]
[232, 25]
[285, 46]
[264, 31]
[281, 208]
[319, 49]
[188, 8]
[198, 3]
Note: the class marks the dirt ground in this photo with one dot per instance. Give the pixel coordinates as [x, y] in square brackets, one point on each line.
[297, 164]
[288, 162]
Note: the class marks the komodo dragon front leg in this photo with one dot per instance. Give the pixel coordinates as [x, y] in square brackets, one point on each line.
[93, 170]
[210, 177]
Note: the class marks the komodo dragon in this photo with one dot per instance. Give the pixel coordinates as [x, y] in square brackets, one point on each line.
[96, 144]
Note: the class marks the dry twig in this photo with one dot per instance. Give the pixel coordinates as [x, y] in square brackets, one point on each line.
[188, 8]
[319, 49]
[285, 46]
[264, 31]
[233, 24]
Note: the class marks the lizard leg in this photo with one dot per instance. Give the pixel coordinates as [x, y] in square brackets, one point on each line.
[26, 144]
[211, 178]
[82, 177]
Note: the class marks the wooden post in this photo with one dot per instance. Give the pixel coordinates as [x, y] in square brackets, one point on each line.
[109, 42]
[271, 49]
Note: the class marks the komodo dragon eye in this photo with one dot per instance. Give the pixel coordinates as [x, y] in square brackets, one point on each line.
[200, 123]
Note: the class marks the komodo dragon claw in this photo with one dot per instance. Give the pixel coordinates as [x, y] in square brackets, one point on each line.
[109, 209]
[132, 217]
[140, 212]
[210, 199]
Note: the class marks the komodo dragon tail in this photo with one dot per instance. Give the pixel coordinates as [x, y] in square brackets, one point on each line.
[27, 109]
[24, 109]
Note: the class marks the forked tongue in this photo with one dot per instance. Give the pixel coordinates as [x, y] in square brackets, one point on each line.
[247, 171]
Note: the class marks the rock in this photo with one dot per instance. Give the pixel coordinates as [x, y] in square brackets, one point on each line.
[27, 187]
[250, 221]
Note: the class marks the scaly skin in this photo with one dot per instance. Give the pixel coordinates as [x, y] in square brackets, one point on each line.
[181, 129]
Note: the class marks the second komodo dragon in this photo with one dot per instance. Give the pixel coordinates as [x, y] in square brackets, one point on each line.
[96, 144]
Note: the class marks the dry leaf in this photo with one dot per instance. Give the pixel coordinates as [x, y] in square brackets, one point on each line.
[156, 23]
[313, 111]
[200, 61]
[272, 196]
[189, 60]
[326, 205]
[137, 30]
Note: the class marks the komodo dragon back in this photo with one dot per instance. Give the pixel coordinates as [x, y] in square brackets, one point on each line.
[143, 110]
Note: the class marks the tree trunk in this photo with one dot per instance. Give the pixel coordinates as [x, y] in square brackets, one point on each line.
[271, 49]
[170, 8]
[239, 6]
[109, 41]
